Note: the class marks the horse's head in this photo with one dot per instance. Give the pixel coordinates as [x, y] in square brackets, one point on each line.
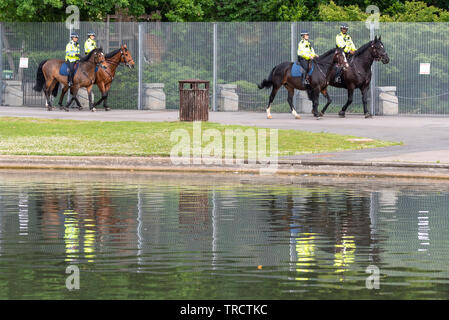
[98, 56]
[378, 50]
[340, 58]
[126, 57]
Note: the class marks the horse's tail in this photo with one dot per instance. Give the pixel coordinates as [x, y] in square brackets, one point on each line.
[40, 79]
[267, 83]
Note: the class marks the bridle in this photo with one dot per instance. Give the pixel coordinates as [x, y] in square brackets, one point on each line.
[122, 55]
[345, 64]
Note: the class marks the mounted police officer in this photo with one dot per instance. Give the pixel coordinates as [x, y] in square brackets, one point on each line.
[344, 41]
[72, 55]
[90, 43]
[305, 55]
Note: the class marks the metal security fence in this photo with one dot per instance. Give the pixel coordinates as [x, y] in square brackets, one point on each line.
[233, 54]
[41, 41]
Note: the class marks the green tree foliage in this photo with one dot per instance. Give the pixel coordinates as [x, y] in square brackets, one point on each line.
[227, 10]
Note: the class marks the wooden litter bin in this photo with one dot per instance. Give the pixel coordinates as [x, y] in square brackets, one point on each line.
[194, 100]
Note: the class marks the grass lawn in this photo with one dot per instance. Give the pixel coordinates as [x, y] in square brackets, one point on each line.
[30, 136]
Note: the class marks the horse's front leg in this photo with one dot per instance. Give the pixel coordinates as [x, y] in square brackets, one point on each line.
[342, 113]
[315, 102]
[364, 92]
[329, 101]
[89, 96]
[105, 101]
[100, 86]
[73, 93]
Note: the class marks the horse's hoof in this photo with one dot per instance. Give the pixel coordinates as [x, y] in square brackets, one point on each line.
[298, 117]
[269, 117]
[80, 108]
[93, 109]
[368, 115]
[341, 114]
[49, 109]
[321, 114]
[66, 109]
[107, 109]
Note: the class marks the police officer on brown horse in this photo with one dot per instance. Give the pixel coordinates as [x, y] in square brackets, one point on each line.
[72, 55]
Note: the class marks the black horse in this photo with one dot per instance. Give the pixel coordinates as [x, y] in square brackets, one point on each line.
[358, 74]
[281, 76]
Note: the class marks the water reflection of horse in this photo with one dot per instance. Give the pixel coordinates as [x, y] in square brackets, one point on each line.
[281, 76]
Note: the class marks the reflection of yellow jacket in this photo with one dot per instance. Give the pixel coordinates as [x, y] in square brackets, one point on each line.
[305, 50]
[345, 254]
[345, 41]
[305, 250]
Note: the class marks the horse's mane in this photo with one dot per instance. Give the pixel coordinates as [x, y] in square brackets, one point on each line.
[86, 58]
[324, 55]
[111, 54]
[362, 49]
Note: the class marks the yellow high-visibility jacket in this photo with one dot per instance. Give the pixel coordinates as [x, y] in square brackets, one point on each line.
[89, 45]
[72, 51]
[345, 41]
[305, 50]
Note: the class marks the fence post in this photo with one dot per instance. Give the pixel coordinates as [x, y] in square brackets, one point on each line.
[214, 80]
[139, 76]
[1, 65]
[293, 54]
[373, 73]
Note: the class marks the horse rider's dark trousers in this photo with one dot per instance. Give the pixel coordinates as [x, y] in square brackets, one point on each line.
[71, 66]
[304, 64]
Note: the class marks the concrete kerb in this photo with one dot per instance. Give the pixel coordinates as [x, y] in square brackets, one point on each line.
[284, 167]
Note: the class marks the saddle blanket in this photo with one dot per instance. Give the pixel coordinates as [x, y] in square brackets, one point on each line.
[64, 70]
[297, 70]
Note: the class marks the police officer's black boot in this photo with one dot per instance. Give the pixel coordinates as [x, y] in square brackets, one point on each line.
[305, 79]
[338, 75]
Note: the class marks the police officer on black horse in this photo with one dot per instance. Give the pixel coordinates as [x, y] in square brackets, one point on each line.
[305, 55]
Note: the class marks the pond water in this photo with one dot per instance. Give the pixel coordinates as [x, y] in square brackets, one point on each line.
[162, 236]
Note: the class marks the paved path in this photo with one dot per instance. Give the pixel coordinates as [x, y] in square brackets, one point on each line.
[426, 139]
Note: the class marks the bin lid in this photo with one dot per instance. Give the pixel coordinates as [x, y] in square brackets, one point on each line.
[193, 81]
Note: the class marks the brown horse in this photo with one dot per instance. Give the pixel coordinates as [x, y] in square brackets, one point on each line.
[48, 77]
[103, 78]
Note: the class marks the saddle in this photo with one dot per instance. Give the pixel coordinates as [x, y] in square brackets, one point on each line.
[298, 70]
[64, 70]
